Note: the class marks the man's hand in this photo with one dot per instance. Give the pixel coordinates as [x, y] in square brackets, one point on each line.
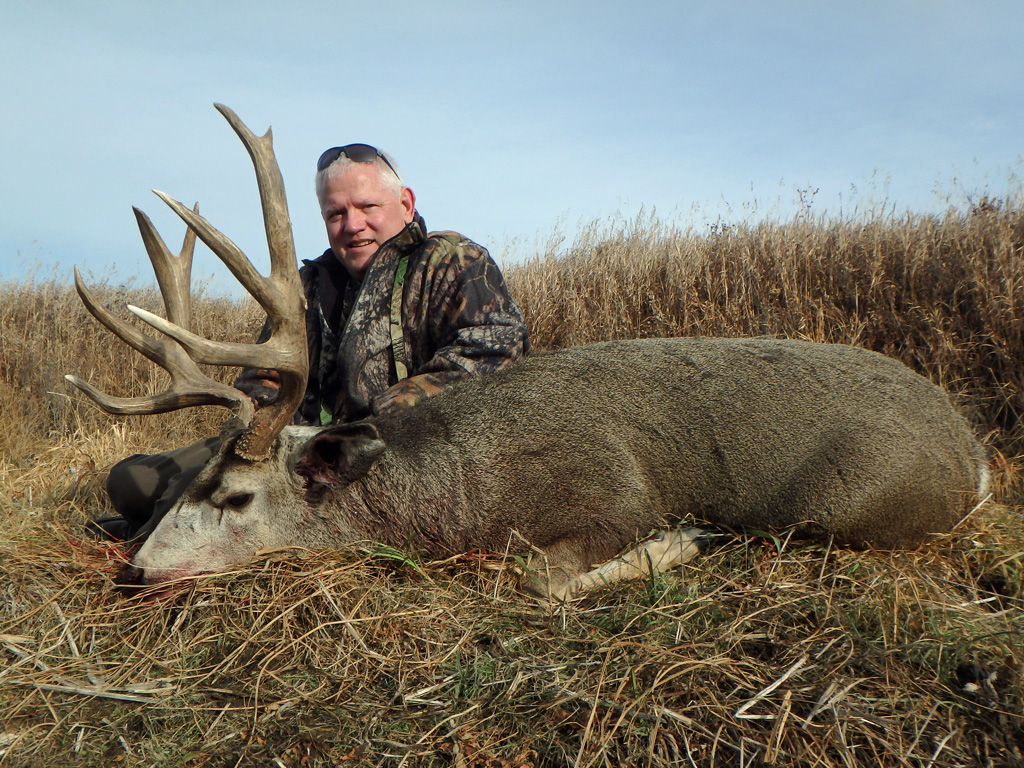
[405, 394]
[266, 387]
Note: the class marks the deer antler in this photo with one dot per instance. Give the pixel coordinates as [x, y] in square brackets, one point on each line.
[280, 295]
[189, 385]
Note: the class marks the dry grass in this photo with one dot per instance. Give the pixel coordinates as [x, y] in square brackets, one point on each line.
[46, 332]
[762, 652]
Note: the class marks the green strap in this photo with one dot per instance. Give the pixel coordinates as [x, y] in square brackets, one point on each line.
[397, 339]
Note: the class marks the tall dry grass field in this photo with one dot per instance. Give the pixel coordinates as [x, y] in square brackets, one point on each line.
[764, 652]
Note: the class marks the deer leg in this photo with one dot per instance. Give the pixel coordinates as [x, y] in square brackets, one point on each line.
[658, 553]
[551, 572]
[559, 573]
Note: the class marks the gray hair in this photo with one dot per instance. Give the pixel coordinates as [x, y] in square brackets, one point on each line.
[391, 177]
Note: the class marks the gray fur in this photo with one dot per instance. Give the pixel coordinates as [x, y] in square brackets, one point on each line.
[582, 451]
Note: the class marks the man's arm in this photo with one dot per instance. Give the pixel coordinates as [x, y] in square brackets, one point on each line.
[471, 318]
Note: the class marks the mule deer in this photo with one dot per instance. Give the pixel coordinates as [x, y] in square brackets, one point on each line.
[572, 455]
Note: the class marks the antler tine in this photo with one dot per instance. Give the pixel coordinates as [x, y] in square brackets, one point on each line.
[203, 350]
[173, 273]
[229, 253]
[271, 185]
[189, 385]
[283, 274]
[133, 337]
[175, 398]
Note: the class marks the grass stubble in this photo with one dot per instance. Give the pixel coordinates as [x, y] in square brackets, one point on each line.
[765, 651]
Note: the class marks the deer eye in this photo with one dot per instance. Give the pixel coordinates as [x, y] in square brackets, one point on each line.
[237, 501]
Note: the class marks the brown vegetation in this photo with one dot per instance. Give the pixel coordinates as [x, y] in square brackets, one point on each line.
[763, 652]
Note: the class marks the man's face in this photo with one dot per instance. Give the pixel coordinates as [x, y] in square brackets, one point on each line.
[361, 213]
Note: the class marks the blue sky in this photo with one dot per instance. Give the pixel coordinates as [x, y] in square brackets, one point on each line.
[510, 120]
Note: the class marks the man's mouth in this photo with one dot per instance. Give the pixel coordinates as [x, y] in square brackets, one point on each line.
[360, 243]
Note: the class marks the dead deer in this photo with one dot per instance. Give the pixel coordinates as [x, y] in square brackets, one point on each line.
[572, 455]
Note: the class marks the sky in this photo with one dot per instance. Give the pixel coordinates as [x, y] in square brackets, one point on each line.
[515, 122]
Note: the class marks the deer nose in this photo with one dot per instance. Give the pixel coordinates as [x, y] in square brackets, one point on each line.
[129, 580]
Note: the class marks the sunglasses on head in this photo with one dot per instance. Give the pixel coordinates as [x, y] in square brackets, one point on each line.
[357, 153]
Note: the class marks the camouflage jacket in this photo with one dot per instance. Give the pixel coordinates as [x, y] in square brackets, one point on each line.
[457, 321]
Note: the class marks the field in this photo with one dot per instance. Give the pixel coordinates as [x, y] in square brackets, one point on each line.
[765, 651]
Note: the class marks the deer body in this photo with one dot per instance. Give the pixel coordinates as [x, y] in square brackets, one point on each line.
[583, 451]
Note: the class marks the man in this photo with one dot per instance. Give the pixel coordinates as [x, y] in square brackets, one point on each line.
[452, 317]
[393, 315]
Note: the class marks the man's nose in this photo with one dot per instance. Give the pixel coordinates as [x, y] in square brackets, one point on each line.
[355, 222]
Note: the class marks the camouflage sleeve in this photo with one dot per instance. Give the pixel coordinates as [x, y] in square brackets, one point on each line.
[475, 324]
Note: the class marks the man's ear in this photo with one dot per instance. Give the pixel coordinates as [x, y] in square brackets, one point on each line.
[408, 200]
[340, 455]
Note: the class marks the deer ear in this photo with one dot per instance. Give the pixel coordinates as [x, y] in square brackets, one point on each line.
[340, 455]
